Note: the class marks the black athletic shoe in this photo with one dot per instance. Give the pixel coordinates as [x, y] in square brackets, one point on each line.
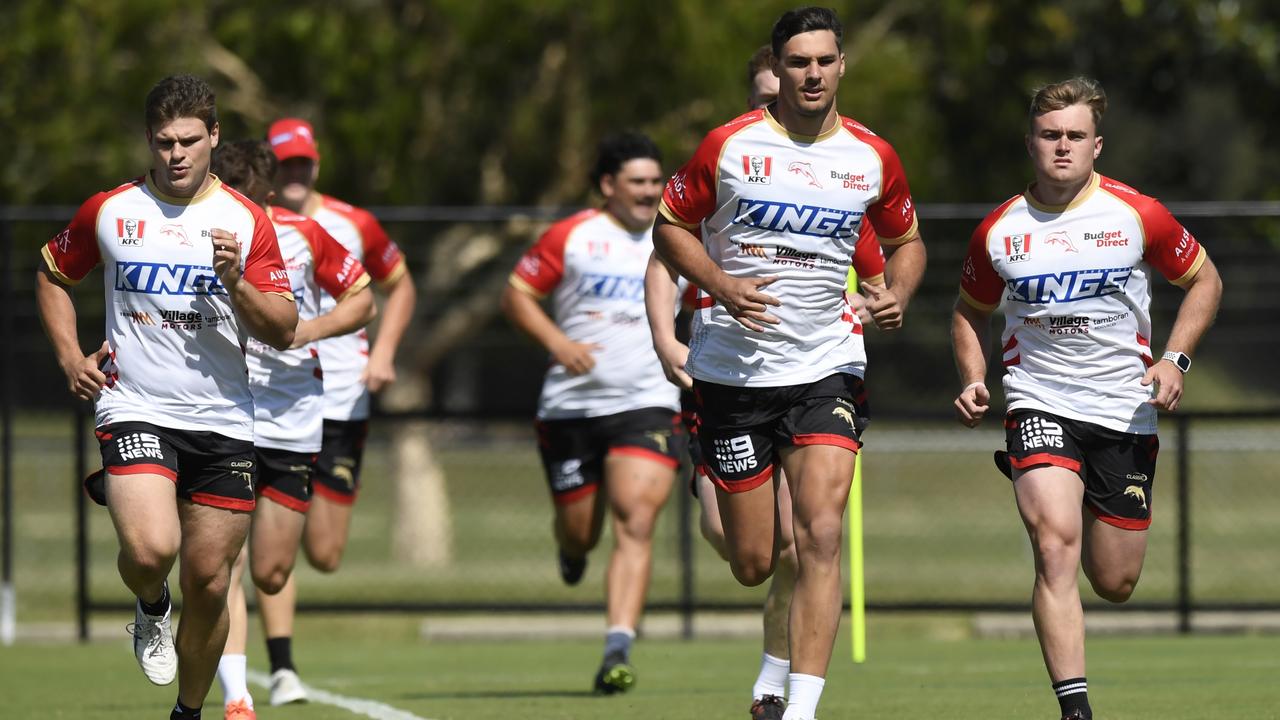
[1076, 715]
[1002, 463]
[769, 707]
[615, 677]
[571, 569]
[95, 486]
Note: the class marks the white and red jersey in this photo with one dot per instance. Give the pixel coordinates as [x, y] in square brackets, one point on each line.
[593, 268]
[345, 357]
[288, 385]
[177, 352]
[1075, 282]
[767, 202]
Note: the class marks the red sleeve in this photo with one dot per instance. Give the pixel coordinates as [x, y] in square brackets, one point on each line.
[382, 257]
[337, 271]
[893, 214]
[263, 266]
[1170, 247]
[868, 256]
[542, 266]
[72, 253]
[980, 285]
[690, 195]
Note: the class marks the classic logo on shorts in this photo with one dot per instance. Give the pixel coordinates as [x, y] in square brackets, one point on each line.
[129, 231]
[1039, 432]
[735, 454]
[135, 446]
[1017, 248]
[1137, 493]
[567, 475]
[757, 168]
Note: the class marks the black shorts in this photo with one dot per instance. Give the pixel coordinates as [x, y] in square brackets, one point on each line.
[207, 468]
[284, 477]
[1118, 468]
[337, 474]
[689, 417]
[740, 428]
[573, 451]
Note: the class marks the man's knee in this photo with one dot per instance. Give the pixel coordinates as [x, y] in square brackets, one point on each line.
[1116, 587]
[751, 568]
[819, 537]
[273, 578]
[325, 557]
[151, 559]
[206, 585]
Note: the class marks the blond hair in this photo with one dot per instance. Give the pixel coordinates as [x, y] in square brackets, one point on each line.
[1076, 91]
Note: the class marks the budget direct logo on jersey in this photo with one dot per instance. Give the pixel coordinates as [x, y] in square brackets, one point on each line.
[162, 279]
[757, 169]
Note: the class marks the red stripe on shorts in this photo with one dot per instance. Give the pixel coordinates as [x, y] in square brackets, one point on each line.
[225, 503]
[741, 486]
[1045, 459]
[573, 495]
[1121, 522]
[143, 469]
[826, 439]
[285, 499]
[333, 495]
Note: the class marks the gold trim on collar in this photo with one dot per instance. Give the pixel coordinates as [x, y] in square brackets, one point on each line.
[797, 137]
[173, 200]
[1079, 199]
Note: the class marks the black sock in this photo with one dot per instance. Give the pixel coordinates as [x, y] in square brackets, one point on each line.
[159, 607]
[182, 712]
[280, 653]
[1073, 694]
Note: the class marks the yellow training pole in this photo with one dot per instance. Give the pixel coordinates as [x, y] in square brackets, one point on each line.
[857, 597]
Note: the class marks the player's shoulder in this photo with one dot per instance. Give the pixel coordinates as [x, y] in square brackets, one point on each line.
[998, 214]
[346, 209]
[100, 198]
[866, 135]
[564, 227]
[285, 216]
[721, 134]
[1128, 195]
[255, 210]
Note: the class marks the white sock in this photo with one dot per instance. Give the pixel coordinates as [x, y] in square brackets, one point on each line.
[231, 669]
[802, 703]
[772, 679]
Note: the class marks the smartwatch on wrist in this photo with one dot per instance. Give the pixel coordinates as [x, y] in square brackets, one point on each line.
[1180, 360]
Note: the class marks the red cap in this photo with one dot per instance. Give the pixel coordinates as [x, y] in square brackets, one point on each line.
[291, 138]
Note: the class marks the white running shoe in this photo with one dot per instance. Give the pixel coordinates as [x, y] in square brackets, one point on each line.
[153, 646]
[287, 688]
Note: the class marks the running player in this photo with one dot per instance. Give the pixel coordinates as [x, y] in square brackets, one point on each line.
[352, 370]
[190, 267]
[1071, 260]
[608, 429]
[288, 395]
[779, 196]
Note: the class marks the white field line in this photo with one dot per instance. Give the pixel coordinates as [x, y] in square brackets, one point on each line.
[359, 706]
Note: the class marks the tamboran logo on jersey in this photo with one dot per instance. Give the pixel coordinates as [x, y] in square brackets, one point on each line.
[798, 219]
[757, 169]
[162, 279]
[1017, 248]
[129, 231]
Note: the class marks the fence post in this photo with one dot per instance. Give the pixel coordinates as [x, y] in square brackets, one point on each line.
[686, 560]
[1184, 524]
[8, 595]
[82, 523]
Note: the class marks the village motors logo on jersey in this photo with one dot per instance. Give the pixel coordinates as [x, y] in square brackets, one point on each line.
[1068, 286]
[1017, 248]
[163, 279]
[129, 231]
[798, 219]
[757, 169]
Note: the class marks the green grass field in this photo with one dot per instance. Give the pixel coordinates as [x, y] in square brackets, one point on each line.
[911, 673]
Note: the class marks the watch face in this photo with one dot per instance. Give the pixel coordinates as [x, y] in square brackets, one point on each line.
[1183, 362]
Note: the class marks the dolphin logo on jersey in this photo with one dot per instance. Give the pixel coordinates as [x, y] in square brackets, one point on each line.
[844, 414]
[1062, 240]
[804, 170]
[1137, 493]
[177, 232]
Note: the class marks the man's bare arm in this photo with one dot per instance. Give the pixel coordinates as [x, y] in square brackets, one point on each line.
[397, 313]
[969, 330]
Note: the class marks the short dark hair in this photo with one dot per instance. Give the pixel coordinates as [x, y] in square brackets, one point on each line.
[248, 166]
[615, 150]
[181, 96]
[803, 20]
[761, 60]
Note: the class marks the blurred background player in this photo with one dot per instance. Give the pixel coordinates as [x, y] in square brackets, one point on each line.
[352, 370]
[1082, 385]
[780, 380]
[288, 395]
[608, 429]
[191, 268]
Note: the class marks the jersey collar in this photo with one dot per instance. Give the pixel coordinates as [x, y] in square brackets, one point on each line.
[1079, 199]
[172, 200]
[797, 137]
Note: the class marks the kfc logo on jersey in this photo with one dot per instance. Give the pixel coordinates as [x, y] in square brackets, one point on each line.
[175, 232]
[1062, 240]
[758, 169]
[129, 231]
[1017, 248]
[804, 170]
[598, 249]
